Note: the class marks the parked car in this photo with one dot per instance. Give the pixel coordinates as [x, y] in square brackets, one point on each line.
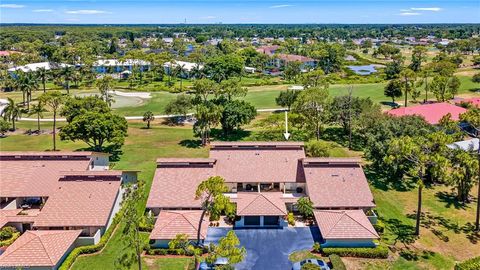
[218, 262]
[323, 265]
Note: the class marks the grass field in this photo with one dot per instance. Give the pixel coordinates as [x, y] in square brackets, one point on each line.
[439, 244]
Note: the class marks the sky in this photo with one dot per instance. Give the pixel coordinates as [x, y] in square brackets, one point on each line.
[239, 11]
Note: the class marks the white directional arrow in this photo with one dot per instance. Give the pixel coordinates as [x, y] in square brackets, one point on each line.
[286, 134]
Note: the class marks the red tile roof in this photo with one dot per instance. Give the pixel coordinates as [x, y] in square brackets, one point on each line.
[168, 161]
[268, 165]
[56, 154]
[331, 186]
[79, 203]
[268, 50]
[473, 101]
[34, 178]
[256, 144]
[5, 215]
[260, 204]
[38, 249]
[344, 224]
[175, 186]
[171, 223]
[432, 113]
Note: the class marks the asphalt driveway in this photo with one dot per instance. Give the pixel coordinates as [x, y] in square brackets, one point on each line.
[269, 248]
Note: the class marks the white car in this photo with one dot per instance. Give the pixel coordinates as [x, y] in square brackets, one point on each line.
[323, 265]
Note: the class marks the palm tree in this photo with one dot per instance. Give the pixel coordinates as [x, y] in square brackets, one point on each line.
[148, 117]
[12, 112]
[27, 84]
[180, 69]
[105, 84]
[42, 74]
[407, 77]
[67, 74]
[38, 109]
[54, 100]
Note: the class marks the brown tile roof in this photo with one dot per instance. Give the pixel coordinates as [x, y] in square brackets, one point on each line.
[168, 161]
[38, 248]
[6, 214]
[344, 224]
[334, 186]
[58, 154]
[79, 203]
[259, 143]
[332, 160]
[260, 204]
[92, 173]
[171, 223]
[34, 178]
[174, 187]
[258, 165]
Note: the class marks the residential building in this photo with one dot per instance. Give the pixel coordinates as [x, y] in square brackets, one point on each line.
[265, 180]
[187, 67]
[119, 66]
[58, 200]
[432, 113]
[37, 66]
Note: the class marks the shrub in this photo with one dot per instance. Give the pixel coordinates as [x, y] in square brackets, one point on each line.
[317, 148]
[157, 251]
[291, 219]
[337, 262]
[471, 264]
[379, 227]
[476, 78]
[376, 252]
[7, 233]
[10, 241]
[316, 247]
[310, 266]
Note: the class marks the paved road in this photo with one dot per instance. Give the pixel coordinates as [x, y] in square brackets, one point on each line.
[140, 117]
[269, 248]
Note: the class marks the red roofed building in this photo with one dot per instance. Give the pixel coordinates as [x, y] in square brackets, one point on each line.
[473, 101]
[39, 250]
[432, 113]
[265, 180]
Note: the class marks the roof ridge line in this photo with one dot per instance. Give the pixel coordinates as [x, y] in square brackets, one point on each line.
[360, 223]
[44, 248]
[248, 204]
[191, 222]
[342, 213]
[272, 203]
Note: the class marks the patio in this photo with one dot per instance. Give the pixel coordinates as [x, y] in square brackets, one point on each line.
[282, 242]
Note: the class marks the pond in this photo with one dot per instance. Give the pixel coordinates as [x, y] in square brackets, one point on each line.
[364, 70]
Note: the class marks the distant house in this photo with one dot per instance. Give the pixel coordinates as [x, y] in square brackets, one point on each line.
[118, 66]
[432, 113]
[281, 60]
[265, 180]
[268, 50]
[187, 67]
[250, 69]
[473, 101]
[37, 66]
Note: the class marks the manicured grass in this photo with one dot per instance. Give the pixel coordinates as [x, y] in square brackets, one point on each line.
[169, 263]
[301, 255]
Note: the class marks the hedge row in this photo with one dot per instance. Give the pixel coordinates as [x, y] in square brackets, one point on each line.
[12, 239]
[165, 251]
[377, 252]
[337, 262]
[92, 248]
[471, 264]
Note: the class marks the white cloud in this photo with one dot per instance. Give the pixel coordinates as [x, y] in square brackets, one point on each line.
[86, 11]
[281, 6]
[410, 14]
[42, 10]
[436, 9]
[208, 17]
[11, 6]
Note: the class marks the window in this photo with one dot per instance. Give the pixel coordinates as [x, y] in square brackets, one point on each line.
[251, 221]
[270, 221]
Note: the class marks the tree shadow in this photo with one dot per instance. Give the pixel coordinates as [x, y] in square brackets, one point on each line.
[114, 151]
[390, 104]
[191, 143]
[402, 232]
[337, 134]
[450, 200]
[384, 181]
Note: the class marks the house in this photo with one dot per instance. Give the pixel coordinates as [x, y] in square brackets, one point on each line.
[118, 66]
[39, 250]
[432, 113]
[466, 145]
[268, 50]
[33, 67]
[56, 196]
[265, 180]
[187, 67]
[472, 101]
[281, 60]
